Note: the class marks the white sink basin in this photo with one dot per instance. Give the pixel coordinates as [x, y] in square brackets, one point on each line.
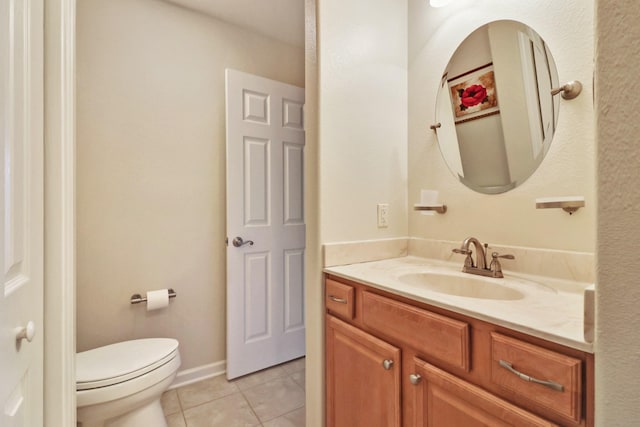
[462, 286]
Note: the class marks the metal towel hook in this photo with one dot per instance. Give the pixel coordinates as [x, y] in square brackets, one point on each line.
[569, 90]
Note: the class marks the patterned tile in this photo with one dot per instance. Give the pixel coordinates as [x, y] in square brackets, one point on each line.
[205, 391]
[260, 377]
[176, 420]
[229, 411]
[294, 366]
[299, 378]
[292, 419]
[170, 402]
[275, 398]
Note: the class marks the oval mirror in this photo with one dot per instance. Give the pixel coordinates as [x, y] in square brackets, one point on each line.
[495, 111]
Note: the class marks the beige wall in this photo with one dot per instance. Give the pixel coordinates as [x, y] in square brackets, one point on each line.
[151, 167]
[568, 169]
[618, 290]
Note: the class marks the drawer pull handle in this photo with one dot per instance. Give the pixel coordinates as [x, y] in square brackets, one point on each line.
[387, 364]
[415, 379]
[551, 384]
[338, 300]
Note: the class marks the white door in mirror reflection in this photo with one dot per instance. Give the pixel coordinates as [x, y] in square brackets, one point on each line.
[541, 106]
[494, 152]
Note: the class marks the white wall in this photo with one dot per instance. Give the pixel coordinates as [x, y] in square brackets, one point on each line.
[618, 291]
[356, 144]
[568, 169]
[314, 295]
[151, 167]
[363, 110]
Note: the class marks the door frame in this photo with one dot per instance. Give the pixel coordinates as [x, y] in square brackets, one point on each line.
[59, 213]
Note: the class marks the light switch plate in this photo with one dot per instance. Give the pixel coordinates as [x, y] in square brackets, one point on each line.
[383, 215]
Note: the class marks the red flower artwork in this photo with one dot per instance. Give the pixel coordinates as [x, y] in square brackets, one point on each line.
[472, 95]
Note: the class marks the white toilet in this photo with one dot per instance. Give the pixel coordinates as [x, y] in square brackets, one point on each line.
[120, 385]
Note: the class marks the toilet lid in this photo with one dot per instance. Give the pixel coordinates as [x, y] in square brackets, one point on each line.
[115, 363]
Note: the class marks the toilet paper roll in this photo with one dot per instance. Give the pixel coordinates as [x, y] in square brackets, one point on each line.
[157, 299]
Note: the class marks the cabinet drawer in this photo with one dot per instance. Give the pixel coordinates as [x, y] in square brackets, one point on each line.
[545, 377]
[339, 299]
[440, 337]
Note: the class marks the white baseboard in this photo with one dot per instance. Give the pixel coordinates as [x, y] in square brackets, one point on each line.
[199, 373]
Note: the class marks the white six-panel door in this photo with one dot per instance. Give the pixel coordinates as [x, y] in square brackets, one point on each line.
[265, 271]
[21, 224]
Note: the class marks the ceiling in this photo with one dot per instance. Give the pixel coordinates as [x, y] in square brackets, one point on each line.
[282, 20]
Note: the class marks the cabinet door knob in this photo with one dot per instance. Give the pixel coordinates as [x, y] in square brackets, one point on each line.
[387, 364]
[415, 378]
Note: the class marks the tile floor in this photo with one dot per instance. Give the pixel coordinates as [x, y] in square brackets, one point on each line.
[273, 397]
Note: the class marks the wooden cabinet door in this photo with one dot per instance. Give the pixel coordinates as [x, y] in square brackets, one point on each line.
[363, 378]
[444, 400]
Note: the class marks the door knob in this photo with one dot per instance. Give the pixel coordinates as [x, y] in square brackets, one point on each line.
[26, 332]
[238, 242]
[387, 364]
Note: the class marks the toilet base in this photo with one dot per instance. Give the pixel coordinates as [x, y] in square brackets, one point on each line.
[140, 409]
[150, 414]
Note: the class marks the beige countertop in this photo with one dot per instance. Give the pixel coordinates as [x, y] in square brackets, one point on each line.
[548, 308]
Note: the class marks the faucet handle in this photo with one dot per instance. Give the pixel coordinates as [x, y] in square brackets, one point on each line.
[462, 251]
[495, 267]
[468, 261]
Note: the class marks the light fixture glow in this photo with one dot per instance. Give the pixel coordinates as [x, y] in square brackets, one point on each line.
[439, 3]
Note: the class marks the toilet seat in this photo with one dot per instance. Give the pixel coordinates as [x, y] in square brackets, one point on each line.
[123, 361]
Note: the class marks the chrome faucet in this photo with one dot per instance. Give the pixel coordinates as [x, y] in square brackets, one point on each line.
[480, 266]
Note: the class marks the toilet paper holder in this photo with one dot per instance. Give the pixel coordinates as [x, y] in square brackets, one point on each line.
[137, 298]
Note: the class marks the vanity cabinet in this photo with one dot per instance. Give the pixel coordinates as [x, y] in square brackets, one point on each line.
[393, 361]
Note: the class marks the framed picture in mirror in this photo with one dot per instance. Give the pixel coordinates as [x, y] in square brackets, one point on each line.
[473, 94]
